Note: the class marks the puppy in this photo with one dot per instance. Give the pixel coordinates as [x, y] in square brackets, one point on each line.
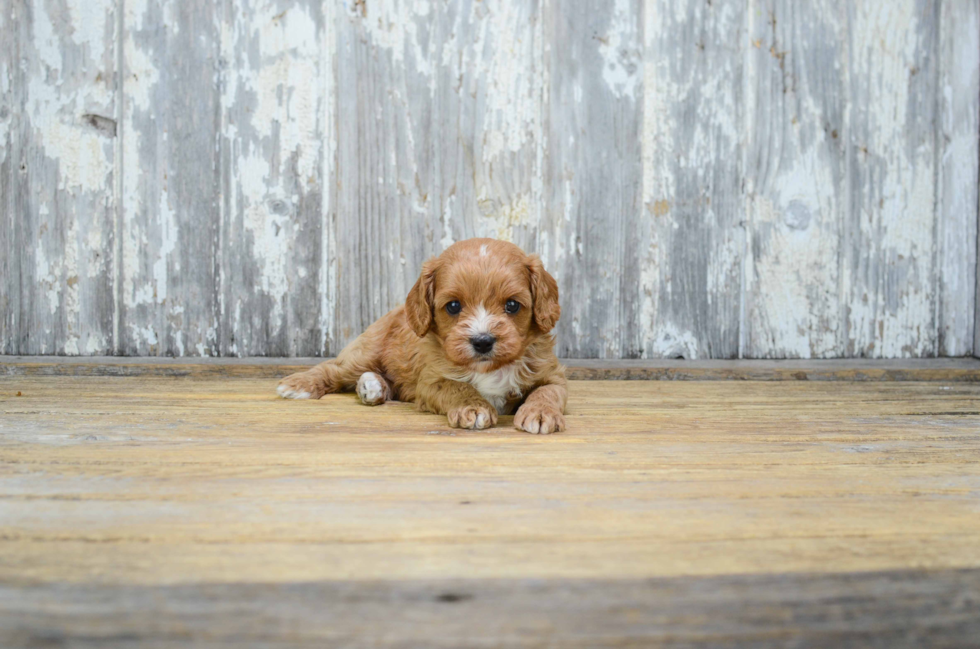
[472, 341]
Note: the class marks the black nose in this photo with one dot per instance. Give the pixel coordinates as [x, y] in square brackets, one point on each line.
[483, 343]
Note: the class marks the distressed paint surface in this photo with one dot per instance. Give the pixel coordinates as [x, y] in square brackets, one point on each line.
[169, 280]
[956, 207]
[595, 175]
[272, 142]
[705, 179]
[57, 79]
[794, 178]
[692, 214]
[889, 243]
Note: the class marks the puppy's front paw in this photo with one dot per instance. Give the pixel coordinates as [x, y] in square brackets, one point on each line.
[302, 385]
[372, 389]
[476, 417]
[537, 420]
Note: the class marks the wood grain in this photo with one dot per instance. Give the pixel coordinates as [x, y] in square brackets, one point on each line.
[222, 482]
[959, 44]
[693, 236]
[795, 175]
[274, 77]
[594, 175]
[890, 267]
[757, 512]
[913, 608]
[57, 166]
[169, 282]
[722, 179]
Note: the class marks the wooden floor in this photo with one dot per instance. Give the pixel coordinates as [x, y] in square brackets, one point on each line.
[155, 511]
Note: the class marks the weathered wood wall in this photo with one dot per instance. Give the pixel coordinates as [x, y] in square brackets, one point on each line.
[761, 178]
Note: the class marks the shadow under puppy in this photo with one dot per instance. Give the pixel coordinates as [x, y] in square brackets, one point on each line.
[473, 340]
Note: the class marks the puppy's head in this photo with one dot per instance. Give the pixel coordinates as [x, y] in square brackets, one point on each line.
[485, 300]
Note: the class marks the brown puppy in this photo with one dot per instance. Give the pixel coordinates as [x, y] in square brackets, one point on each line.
[472, 341]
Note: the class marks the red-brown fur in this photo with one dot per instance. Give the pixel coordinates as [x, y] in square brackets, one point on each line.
[421, 353]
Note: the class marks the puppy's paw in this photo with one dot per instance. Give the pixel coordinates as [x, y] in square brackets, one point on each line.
[372, 389]
[475, 417]
[302, 385]
[538, 420]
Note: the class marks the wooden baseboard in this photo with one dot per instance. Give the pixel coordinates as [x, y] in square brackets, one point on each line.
[964, 369]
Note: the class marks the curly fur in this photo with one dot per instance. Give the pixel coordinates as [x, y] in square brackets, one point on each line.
[422, 353]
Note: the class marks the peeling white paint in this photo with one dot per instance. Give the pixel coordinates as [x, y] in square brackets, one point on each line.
[690, 139]
[659, 125]
[145, 336]
[168, 244]
[392, 25]
[141, 75]
[671, 342]
[89, 20]
[48, 275]
[447, 220]
[96, 345]
[792, 286]
[657, 153]
[46, 41]
[179, 341]
[66, 163]
[69, 275]
[83, 154]
[328, 238]
[513, 110]
[271, 234]
[464, 117]
[958, 190]
[277, 64]
[502, 221]
[288, 52]
[892, 317]
[620, 52]
[95, 244]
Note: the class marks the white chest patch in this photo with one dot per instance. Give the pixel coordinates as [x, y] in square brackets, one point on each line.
[497, 386]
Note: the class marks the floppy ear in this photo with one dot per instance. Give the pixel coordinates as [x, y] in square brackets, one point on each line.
[544, 291]
[418, 304]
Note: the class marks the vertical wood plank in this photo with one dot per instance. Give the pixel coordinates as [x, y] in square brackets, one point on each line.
[795, 101]
[272, 146]
[57, 75]
[692, 222]
[889, 274]
[595, 174]
[170, 287]
[439, 121]
[382, 194]
[959, 90]
[328, 261]
[10, 109]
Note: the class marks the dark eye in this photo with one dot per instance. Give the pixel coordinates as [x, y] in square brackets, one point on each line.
[454, 307]
[512, 306]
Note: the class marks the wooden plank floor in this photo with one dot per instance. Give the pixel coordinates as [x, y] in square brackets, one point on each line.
[152, 511]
